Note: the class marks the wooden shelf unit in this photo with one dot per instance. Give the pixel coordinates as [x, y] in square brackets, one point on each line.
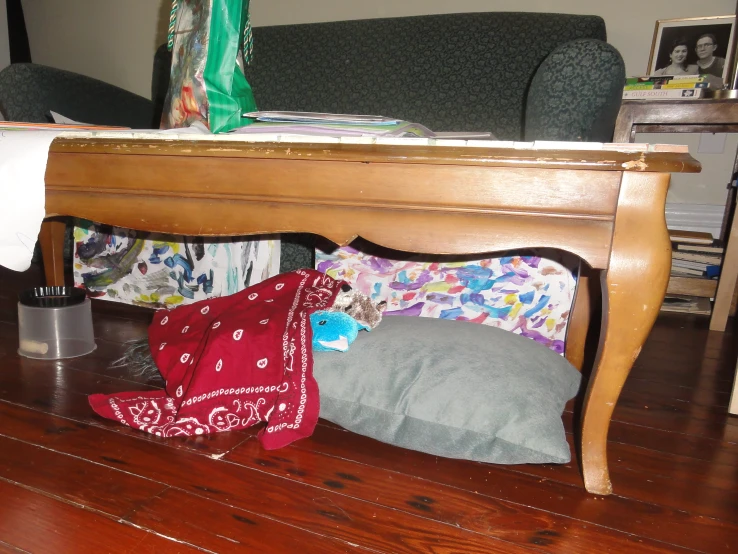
[692, 116]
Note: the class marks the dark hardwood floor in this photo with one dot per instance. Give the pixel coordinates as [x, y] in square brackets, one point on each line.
[72, 482]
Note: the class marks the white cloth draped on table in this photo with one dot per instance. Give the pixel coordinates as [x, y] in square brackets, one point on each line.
[23, 157]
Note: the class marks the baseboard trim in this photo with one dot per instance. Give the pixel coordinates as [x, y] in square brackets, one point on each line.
[705, 218]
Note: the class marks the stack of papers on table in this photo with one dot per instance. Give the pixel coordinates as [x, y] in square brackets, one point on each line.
[346, 125]
[323, 118]
[335, 125]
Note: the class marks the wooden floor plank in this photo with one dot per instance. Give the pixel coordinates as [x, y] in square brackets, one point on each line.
[6, 548]
[697, 423]
[709, 394]
[325, 512]
[38, 523]
[671, 443]
[466, 509]
[154, 506]
[95, 486]
[685, 370]
[546, 493]
[222, 528]
[668, 442]
[62, 391]
[709, 487]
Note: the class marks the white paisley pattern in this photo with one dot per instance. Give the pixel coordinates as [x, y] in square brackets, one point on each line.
[209, 364]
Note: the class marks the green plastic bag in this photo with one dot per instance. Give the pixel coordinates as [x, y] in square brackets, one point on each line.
[210, 41]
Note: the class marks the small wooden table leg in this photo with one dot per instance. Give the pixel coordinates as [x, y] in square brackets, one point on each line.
[634, 286]
[727, 282]
[52, 250]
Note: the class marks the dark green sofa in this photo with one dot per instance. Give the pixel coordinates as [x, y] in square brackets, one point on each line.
[522, 76]
[519, 75]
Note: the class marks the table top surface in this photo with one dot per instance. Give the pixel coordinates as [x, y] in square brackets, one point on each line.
[539, 154]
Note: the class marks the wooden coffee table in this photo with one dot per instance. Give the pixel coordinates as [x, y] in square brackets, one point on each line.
[605, 204]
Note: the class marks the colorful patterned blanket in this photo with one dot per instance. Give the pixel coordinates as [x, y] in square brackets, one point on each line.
[165, 271]
[233, 361]
[529, 295]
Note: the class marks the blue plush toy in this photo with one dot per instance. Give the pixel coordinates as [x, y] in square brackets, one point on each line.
[334, 330]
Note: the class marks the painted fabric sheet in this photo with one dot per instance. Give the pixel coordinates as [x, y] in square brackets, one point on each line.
[164, 271]
[528, 295]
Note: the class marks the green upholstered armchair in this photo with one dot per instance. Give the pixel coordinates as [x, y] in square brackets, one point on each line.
[29, 91]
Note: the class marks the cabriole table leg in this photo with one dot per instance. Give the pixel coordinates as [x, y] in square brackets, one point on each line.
[633, 291]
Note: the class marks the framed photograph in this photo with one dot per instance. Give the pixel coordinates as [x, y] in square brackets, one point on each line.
[696, 45]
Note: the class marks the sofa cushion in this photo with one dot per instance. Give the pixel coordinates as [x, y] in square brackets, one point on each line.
[554, 113]
[450, 72]
[29, 91]
[452, 389]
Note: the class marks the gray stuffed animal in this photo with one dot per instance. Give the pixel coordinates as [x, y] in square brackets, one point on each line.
[359, 306]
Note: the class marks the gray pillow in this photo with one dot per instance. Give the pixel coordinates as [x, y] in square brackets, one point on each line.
[450, 388]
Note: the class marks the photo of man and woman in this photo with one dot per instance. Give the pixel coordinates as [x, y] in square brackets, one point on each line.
[698, 46]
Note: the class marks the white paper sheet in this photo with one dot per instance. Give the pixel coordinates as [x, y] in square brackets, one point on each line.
[23, 158]
[64, 120]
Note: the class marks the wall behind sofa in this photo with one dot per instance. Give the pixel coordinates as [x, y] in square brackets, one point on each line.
[111, 40]
[630, 23]
[114, 40]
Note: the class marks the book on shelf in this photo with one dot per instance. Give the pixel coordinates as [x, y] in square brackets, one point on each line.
[692, 285]
[23, 126]
[676, 85]
[686, 272]
[707, 259]
[665, 79]
[693, 264]
[686, 264]
[691, 237]
[697, 270]
[60, 123]
[700, 249]
[665, 94]
[686, 305]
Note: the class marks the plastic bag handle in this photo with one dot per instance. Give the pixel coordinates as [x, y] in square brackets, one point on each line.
[248, 37]
[172, 24]
[248, 40]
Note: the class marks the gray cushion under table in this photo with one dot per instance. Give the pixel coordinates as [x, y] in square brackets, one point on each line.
[450, 388]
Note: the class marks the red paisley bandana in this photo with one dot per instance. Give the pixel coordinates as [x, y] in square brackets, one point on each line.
[233, 361]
